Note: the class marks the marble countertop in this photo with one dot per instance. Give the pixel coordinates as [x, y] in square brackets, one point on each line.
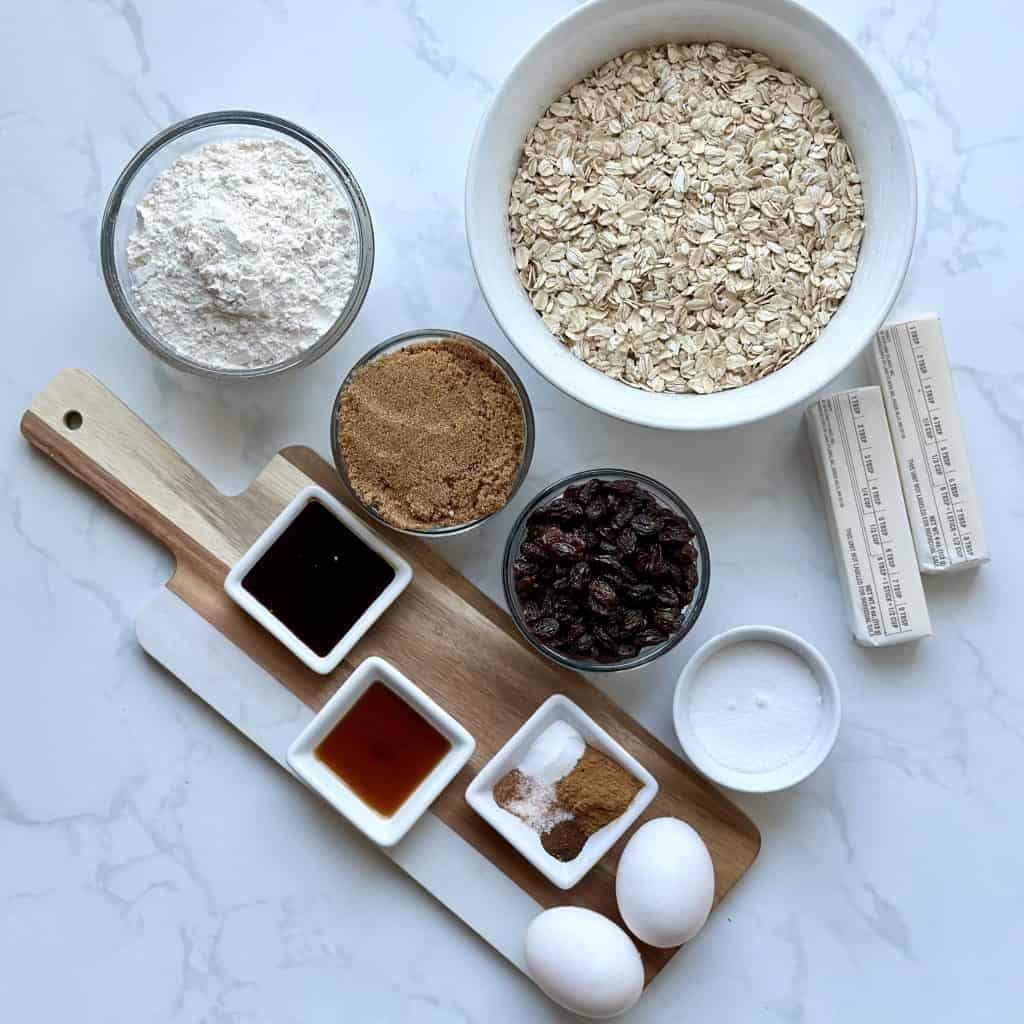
[154, 867]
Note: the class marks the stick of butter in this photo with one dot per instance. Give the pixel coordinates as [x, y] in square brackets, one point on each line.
[911, 365]
[867, 518]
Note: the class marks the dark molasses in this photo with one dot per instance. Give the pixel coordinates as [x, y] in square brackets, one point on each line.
[318, 578]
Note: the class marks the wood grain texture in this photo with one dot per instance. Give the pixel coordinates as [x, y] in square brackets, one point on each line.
[443, 633]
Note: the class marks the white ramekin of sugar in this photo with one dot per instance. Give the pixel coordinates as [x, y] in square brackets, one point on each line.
[757, 709]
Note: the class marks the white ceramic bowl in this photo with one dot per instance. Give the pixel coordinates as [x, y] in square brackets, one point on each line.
[480, 794]
[793, 771]
[798, 40]
[317, 776]
[328, 662]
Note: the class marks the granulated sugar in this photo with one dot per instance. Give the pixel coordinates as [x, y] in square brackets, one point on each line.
[755, 706]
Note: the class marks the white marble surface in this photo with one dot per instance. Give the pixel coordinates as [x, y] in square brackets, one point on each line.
[155, 868]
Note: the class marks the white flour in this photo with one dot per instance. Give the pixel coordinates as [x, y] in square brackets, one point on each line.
[755, 706]
[244, 254]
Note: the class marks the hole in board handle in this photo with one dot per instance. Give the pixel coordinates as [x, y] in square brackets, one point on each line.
[73, 419]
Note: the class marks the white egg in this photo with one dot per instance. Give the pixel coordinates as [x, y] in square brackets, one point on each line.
[665, 883]
[584, 962]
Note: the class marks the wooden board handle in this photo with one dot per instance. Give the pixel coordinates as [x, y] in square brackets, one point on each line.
[97, 438]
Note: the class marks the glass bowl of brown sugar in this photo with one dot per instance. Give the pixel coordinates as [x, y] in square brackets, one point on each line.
[432, 432]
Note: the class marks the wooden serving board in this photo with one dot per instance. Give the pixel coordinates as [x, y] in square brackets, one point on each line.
[442, 632]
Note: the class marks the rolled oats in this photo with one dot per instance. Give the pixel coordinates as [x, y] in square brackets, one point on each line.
[687, 218]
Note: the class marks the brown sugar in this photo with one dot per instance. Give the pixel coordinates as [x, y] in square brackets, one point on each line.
[596, 791]
[432, 435]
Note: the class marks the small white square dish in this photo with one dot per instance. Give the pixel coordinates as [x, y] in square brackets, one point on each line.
[480, 794]
[379, 755]
[373, 568]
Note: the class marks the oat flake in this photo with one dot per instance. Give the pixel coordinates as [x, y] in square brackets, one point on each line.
[687, 218]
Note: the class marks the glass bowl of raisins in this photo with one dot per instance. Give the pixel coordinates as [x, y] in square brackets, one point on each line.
[606, 570]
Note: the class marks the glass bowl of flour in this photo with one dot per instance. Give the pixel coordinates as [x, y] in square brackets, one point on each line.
[237, 245]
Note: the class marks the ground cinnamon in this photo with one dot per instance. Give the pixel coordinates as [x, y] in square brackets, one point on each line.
[432, 435]
[596, 791]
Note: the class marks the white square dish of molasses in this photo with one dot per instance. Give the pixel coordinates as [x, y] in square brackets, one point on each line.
[317, 579]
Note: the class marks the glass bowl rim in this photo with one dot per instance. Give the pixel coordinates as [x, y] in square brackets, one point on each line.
[693, 610]
[340, 173]
[421, 335]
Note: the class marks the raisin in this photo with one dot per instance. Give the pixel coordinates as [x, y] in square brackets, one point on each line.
[546, 629]
[666, 597]
[531, 612]
[533, 551]
[652, 562]
[607, 563]
[647, 637]
[632, 620]
[585, 644]
[563, 545]
[622, 486]
[644, 524]
[579, 576]
[626, 541]
[535, 523]
[562, 549]
[524, 567]
[596, 510]
[640, 593]
[551, 534]
[674, 533]
[603, 598]
[561, 511]
[686, 555]
[621, 518]
[574, 632]
[666, 621]
[524, 584]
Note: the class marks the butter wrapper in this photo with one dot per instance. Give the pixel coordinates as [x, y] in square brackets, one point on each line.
[867, 518]
[910, 363]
